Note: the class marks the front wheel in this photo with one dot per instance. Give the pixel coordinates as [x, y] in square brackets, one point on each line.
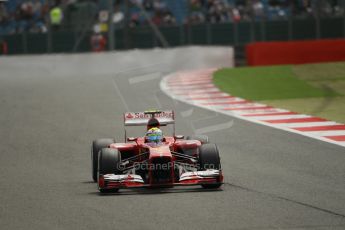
[96, 147]
[209, 159]
[109, 163]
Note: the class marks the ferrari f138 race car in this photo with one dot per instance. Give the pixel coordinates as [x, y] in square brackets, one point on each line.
[176, 161]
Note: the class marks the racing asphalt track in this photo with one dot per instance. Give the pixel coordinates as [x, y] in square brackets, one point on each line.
[53, 106]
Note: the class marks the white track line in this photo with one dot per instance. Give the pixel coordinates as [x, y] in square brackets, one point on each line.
[327, 133]
[307, 124]
[278, 117]
[197, 91]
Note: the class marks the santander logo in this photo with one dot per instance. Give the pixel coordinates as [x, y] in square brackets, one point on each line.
[129, 116]
[142, 115]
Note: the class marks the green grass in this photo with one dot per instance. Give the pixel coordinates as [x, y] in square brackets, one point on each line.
[316, 89]
[266, 83]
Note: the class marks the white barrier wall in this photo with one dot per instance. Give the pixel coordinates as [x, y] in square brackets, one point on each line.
[182, 58]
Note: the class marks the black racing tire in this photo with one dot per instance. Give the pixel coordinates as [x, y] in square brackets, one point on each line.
[96, 147]
[202, 138]
[209, 159]
[108, 163]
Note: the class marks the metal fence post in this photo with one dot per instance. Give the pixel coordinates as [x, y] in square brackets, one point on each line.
[208, 34]
[154, 41]
[126, 36]
[49, 31]
[182, 34]
[189, 35]
[317, 25]
[235, 25]
[50, 42]
[24, 42]
[263, 29]
[252, 30]
[290, 23]
[111, 26]
[344, 19]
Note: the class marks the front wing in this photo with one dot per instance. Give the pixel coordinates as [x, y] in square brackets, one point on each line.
[112, 181]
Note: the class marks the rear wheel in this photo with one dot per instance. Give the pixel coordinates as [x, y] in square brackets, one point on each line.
[209, 159]
[96, 147]
[108, 163]
[202, 138]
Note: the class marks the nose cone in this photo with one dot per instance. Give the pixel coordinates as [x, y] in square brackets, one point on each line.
[160, 151]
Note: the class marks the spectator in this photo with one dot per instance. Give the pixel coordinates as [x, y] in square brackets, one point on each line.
[7, 22]
[236, 16]
[159, 5]
[258, 10]
[24, 16]
[168, 18]
[148, 5]
[3, 47]
[218, 11]
[134, 22]
[196, 9]
[3, 12]
[37, 9]
[98, 42]
[56, 17]
[38, 24]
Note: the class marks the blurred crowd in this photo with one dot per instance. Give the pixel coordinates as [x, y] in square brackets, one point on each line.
[217, 11]
[23, 16]
[17, 16]
[33, 16]
[156, 10]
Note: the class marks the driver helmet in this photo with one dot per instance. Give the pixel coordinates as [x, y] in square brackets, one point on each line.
[153, 123]
[154, 135]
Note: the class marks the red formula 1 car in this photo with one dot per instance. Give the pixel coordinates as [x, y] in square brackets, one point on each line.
[176, 161]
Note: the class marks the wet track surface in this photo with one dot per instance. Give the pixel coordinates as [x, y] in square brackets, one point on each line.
[52, 107]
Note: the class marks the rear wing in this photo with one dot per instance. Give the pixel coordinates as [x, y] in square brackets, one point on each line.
[142, 118]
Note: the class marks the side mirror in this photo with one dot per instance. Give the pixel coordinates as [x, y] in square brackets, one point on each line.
[132, 138]
[179, 137]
